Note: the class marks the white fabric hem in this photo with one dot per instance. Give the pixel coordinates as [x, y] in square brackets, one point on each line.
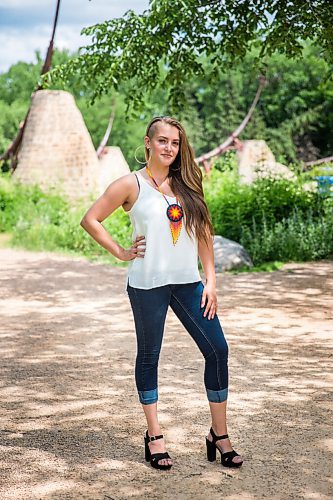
[154, 283]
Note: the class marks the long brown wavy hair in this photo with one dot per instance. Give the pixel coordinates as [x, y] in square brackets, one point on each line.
[186, 182]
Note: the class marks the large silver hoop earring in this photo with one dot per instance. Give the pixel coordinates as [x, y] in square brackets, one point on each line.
[142, 162]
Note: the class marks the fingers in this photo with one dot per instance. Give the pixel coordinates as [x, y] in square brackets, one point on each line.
[139, 246]
[211, 306]
[203, 298]
[211, 309]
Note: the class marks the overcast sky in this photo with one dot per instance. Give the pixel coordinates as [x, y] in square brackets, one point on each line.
[26, 25]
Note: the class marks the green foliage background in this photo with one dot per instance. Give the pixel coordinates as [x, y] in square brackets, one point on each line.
[272, 219]
[294, 114]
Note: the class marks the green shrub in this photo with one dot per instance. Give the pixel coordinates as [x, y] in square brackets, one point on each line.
[297, 238]
[70, 237]
[235, 206]
[321, 169]
[19, 202]
[49, 221]
[272, 219]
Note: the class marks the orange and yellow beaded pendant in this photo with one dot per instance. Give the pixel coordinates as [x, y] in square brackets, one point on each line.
[174, 213]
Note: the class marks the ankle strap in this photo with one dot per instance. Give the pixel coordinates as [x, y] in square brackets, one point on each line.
[215, 437]
[153, 438]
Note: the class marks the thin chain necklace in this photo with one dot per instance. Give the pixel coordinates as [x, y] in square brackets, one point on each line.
[174, 213]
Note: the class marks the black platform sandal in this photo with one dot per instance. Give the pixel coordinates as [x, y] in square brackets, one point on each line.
[226, 458]
[155, 457]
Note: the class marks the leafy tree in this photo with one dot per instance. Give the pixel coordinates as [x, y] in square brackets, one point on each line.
[178, 33]
[19, 81]
[294, 114]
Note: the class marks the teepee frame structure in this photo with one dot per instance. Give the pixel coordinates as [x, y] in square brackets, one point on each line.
[232, 142]
[13, 149]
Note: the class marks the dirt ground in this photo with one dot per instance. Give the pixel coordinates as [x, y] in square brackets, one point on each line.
[71, 423]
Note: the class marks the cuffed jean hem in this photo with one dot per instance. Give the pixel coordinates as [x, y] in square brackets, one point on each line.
[217, 396]
[148, 397]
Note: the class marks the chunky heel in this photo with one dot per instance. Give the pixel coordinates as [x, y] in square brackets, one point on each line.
[155, 457]
[211, 451]
[147, 451]
[226, 458]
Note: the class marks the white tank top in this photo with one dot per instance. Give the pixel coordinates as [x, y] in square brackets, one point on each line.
[163, 262]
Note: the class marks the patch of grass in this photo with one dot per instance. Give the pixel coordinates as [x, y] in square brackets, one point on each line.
[5, 240]
[264, 267]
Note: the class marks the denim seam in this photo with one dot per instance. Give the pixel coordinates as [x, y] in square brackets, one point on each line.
[144, 336]
[201, 330]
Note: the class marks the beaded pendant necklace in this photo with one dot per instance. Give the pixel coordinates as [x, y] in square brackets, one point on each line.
[174, 213]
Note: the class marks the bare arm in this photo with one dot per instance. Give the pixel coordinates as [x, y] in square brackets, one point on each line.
[206, 254]
[115, 195]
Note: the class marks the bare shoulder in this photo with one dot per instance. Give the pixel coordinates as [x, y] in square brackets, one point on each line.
[121, 192]
[130, 182]
[123, 184]
[127, 185]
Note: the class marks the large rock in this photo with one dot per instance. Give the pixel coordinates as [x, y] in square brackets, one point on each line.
[229, 255]
[256, 159]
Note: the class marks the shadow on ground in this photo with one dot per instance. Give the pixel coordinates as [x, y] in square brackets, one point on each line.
[71, 423]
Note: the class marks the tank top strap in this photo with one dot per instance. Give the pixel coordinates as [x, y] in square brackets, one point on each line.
[140, 180]
[148, 189]
[137, 180]
[145, 188]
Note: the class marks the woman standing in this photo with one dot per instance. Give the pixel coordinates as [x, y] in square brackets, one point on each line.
[171, 228]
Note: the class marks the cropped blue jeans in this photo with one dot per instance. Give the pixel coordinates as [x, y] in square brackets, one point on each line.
[149, 311]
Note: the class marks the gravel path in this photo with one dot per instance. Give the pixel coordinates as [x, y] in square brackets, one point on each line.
[71, 423]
